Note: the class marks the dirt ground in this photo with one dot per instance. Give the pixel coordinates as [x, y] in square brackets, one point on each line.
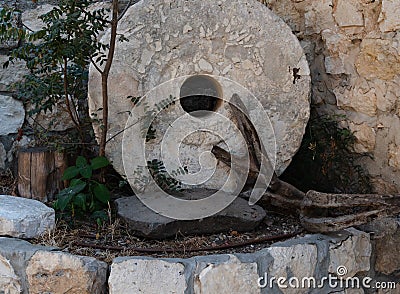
[116, 239]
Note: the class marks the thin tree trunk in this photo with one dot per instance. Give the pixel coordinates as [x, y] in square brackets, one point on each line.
[104, 77]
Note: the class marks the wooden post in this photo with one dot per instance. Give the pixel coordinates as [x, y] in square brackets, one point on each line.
[39, 173]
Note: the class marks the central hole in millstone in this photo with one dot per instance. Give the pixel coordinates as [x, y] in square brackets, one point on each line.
[199, 95]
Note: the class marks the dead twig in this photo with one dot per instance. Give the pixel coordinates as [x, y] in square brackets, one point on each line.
[253, 241]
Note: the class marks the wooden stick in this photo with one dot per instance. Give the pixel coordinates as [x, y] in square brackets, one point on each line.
[277, 186]
[329, 200]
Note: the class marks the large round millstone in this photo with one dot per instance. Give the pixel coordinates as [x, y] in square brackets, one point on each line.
[238, 40]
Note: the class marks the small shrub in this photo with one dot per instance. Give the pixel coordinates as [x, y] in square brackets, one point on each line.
[85, 194]
[326, 161]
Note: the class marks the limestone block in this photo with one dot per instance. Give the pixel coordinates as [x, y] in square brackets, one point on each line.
[9, 281]
[12, 113]
[337, 45]
[59, 272]
[347, 13]
[353, 253]
[381, 186]
[365, 137]
[24, 218]
[335, 65]
[298, 261]
[229, 277]
[30, 18]
[335, 41]
[378, 58]
[389, 17]
[395, 290]
[15, 254]
[57, 120]
[394, 156]
[361, 98]
[387, 97]
[147, 276]
[318, 16]
[14, 73]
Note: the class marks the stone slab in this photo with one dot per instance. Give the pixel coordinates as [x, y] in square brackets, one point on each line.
[60, 272]
[388, 247]
[24, 218]
[9, 281]
[16, 253]
[14, 73]
[389, 16]
[353, 254]
[147, 276]
[229, 277]
[237, 216]
[12, 114]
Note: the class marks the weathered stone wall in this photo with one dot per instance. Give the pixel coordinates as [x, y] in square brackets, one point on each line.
[353, 48]
[347, 254]
[371, 251]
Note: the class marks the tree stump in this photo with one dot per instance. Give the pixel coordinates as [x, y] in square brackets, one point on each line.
[39, 173]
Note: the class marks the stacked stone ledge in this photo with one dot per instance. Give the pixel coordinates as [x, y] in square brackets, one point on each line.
[24, 218]
[27, 268]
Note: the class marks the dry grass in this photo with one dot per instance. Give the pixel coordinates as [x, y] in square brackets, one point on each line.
[69, 236]
[8, 183]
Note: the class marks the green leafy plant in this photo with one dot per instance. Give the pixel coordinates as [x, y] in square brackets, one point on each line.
[326, 160]
[160, 175]
[85, 194]
[149, 113]
[163, 178]
[57, 55]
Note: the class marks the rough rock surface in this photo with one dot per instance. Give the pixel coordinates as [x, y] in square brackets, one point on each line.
[147, 276]
[17, 253]
[14, 73]
[352, 50]
[356, 247]
[24, 218]
[12, 115]
[31, 19]
[242, 41]
[57, 120]
[3, 156]
[232, 276]
[238, 216]
[60, 272]
[286, 263]
[387, 250]
[9, 281]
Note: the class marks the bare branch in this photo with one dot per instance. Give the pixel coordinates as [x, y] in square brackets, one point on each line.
[126, 8]
[95, 65]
